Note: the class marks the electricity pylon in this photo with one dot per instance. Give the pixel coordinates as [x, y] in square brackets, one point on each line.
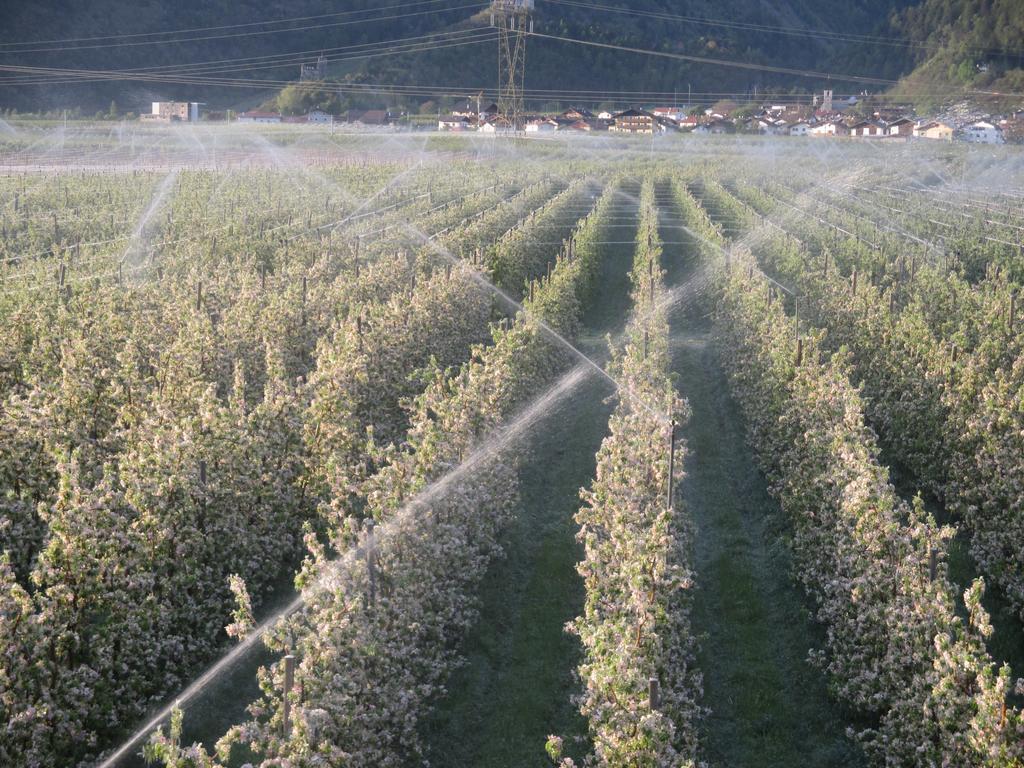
[513, 20]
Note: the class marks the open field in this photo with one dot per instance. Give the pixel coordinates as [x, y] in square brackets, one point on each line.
[418, 449]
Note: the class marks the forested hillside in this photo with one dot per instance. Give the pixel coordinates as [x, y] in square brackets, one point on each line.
[964, 45]
[940, 47]
[738, 30]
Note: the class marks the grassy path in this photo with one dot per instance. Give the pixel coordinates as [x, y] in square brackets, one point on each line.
[517, 685]
[769, 707]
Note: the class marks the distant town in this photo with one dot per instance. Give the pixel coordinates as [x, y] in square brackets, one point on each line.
[823, 117]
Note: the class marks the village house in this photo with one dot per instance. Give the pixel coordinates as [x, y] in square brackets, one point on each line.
[373, 117]
[173, 112]
[983, 132]
[455, 122]
[576, 113]
[634, 121]
[902, 126]
[320, 117]
[771, 127]
[718, 125]
[867, 129]
[541, 125]
[676, 114]
[830, 128]
[934, 130]
[799, 129]
[580, 126]
[257, 116]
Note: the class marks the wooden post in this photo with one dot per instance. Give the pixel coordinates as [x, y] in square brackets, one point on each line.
[303, 301]
[646, 339]
[202, 472]
[854, 284]
[532, 284]
[371, 564]
[289, 683]
[1013, 309]
[670, 494]
[653, 693]
[199, 296]
[799, 351]
[933, 563]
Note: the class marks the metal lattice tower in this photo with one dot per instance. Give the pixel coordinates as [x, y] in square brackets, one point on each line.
[513, 20]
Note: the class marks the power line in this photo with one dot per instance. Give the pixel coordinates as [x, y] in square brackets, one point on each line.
[226, 26]
[721, 62]
[771, 29]
[272, 61]
[51, 75]
[749, 65]
[64, 49]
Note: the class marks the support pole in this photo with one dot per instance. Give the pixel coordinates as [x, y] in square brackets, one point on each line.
[671, 464]
[289, 683]
[371, 564]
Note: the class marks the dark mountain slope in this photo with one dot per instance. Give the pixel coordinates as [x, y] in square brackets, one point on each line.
[964, 46]
[551, 64]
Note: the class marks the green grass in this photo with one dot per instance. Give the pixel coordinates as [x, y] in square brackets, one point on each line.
[519, 680]
[769, 706]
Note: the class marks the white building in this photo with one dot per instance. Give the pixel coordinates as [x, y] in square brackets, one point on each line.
[256, 116]
[799, 129]
[672, 113]
[175, 111]
[320, 117]
[983, 132]
[454, 122]
[541, 126]
[831, 128]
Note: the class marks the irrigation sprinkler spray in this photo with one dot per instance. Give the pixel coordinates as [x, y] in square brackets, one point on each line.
[490, 445]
